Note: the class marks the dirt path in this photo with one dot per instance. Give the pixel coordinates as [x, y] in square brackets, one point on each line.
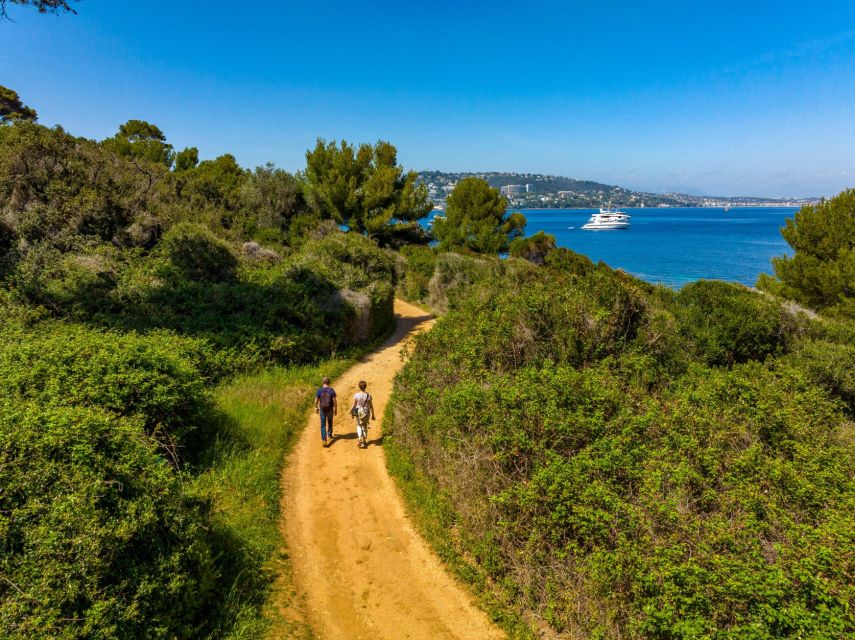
[360, 569]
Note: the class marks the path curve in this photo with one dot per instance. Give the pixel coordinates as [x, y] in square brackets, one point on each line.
[360, 568]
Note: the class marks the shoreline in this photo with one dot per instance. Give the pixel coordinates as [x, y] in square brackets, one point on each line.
[732, 207]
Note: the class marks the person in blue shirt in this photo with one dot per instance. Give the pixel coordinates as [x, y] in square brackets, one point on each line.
[327, 406]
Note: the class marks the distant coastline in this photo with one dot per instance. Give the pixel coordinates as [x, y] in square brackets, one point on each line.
[697, 206]
[538, 191]
[439, 209]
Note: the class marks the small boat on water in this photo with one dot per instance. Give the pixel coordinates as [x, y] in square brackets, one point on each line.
[607, 218]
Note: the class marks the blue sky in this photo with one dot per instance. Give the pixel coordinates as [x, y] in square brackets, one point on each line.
[730, 98]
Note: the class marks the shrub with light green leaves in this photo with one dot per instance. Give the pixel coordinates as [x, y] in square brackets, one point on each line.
[419, 263]
[96, 537]
[727, 323]
[610, 460]
[152, 378]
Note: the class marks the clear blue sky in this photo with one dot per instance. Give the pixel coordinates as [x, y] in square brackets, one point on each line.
[734, 98]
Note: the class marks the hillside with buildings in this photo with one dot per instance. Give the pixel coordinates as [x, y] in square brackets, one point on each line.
[535, 190]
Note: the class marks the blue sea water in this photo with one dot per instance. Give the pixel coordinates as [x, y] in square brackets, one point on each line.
[673, 246]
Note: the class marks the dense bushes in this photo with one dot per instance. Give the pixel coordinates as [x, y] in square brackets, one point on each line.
[198, 255]
[97, 539]
[726, 324]
[289, 310]
[613, 460]
[454, 276]
[159, 379]
[128, 291]
[111, 416]
[416, 269]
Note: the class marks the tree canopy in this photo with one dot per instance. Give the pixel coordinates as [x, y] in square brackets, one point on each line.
[186, 159]
[12, 109]
[43, 6]
[475, 219]
[365, 188]
[821, 273]
[141, 139]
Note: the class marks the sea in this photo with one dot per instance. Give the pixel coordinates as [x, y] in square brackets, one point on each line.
[674, 246]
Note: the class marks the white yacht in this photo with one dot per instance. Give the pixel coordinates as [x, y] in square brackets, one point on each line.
[607, 218]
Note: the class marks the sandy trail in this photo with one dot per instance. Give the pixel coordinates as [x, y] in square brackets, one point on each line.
[360, 569]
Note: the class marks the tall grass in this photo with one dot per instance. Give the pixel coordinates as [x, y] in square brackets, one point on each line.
[263, 413]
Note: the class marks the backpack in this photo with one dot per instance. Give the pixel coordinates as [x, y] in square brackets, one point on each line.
[363, 411]
[326, 399]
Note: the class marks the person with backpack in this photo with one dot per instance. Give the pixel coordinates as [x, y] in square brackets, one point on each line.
[362, 409]
[326, 405]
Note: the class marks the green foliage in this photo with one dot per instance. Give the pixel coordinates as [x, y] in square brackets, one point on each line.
[366, 189]
[142, 140]
[569, 262]
[273, 199]
[187, 159]
[821, 273]
[68, 191]
[215, 185]
[198, 255]
[831, 366]
[618, 461]
[334, 292]
[534, 248]
[12, 109]
[48, 277]
[475, 219]
[454, 277]
[419, 267]
[157, 379]
[727, 323]
[364, 276]
[123, 300]
[97, 539]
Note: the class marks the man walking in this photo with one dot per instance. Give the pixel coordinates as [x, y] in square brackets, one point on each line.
[327, 406]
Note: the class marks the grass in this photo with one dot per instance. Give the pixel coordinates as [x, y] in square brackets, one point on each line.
[262, 415]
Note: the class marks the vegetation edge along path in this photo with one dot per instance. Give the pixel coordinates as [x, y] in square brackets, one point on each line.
[360, 570]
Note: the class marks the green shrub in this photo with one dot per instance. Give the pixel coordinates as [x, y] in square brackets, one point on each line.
[148, 377]
[419, 267]
[726, 323]
[56, 187]
[590, 470]
[348, 260]
[96, 539]
[534, 248]
[831, 366]
[69, 283]
[514, 323]
[569, 262]
[455, 276]
[353, 263]
[197, 254]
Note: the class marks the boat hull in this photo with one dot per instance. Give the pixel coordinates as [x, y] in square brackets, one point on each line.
[605, 226]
